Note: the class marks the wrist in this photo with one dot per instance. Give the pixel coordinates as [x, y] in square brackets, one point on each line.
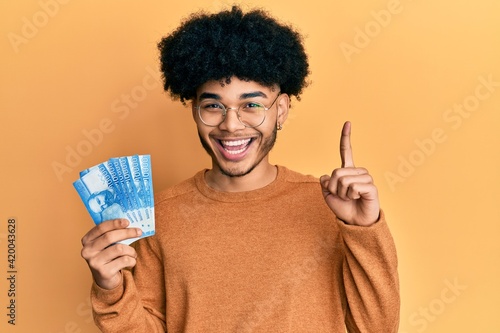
[361, 222]
[111, 283]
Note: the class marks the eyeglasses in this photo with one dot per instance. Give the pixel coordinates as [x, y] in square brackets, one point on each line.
[251, 114]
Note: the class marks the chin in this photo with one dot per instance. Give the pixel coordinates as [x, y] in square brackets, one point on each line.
[240, 168]
[236, 171]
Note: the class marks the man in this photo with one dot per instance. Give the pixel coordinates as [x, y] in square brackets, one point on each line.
[247, 246]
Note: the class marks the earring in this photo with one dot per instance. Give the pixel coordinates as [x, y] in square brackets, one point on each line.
[279, 127]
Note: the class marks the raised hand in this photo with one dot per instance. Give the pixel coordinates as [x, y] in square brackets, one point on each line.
[105, 258]
[349, 191]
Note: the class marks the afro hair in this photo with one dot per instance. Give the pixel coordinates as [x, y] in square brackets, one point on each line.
[251, 46]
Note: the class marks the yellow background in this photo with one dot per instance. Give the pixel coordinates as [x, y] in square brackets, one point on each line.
[70, 74]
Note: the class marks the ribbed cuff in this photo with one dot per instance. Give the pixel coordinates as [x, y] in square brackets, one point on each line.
[108, 296]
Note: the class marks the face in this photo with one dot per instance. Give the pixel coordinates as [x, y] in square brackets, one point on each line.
[237, 150]
[101, 201]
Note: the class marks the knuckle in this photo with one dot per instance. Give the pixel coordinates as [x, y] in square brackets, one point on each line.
[343, 181]
[84, 253]
[121, 249]
[332, 185]
[107, 238]
[117, 223]
[324, 180]
[127, 260]
[99, 229]
[336, 173]
[130, 261]
[92, 264]
[363, 170]
[355, 187]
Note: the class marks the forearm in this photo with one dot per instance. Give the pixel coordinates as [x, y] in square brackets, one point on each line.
[122, 310]
[371, 278]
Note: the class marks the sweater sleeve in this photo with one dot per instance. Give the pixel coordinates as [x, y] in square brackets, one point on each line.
[370, 278]
[138, 304]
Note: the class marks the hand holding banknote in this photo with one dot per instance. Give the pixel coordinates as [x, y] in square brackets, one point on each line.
[106, 261]
[118, 195]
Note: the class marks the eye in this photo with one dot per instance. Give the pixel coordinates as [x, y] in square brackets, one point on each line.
[252, 106]
[211, 106]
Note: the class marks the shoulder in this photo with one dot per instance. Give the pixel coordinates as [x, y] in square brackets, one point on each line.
[299, 184]
[184, 187]
[291, 176]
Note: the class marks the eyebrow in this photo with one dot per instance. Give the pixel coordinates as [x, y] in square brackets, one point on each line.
[207, 95]
[253, 94]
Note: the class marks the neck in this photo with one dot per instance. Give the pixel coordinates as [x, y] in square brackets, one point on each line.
[262, 175]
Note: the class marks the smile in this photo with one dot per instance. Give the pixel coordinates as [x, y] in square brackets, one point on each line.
[235, 147]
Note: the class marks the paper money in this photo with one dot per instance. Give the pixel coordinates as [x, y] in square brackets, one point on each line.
[120, 188]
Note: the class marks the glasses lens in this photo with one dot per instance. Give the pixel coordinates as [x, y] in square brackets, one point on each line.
[252, 114]
[211, 113]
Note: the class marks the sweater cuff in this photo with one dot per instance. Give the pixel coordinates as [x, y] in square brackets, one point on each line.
[108, 296]
[375, 225]
[374, 236]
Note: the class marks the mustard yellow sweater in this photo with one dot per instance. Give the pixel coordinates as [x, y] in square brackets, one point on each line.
[271, 260]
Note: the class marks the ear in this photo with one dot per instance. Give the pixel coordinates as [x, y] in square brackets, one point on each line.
[283, 108]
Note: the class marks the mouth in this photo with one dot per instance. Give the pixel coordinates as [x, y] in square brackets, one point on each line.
[234, 149]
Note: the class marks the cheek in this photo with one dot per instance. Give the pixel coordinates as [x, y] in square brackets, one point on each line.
[202, 130]
[267, 129]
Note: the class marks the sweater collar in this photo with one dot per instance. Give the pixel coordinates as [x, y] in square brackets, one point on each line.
[244, 196]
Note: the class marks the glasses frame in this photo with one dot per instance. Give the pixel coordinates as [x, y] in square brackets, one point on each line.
[225, 109]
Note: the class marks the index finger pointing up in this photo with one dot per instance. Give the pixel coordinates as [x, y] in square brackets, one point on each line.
[345, 146]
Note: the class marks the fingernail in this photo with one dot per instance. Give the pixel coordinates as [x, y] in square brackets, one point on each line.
[138, 232]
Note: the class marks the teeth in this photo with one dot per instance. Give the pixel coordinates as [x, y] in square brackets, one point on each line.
[235, 143]
[235, 147]
[234, 152]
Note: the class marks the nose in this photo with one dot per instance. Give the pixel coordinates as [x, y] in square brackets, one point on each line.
[231, 122]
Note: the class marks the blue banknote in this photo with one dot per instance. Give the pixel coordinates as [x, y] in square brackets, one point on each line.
[104, 171]
[142, 179]
[139, 183]
[131, 188]
[120, 188]
[116, 170]
[99, 194]
[143, 184]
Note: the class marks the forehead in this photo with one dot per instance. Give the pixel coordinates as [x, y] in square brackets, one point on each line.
[235, 89]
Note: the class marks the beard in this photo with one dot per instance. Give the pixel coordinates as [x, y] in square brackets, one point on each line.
[266, 146]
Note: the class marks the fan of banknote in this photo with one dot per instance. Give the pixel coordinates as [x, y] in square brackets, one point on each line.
[120, 188]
